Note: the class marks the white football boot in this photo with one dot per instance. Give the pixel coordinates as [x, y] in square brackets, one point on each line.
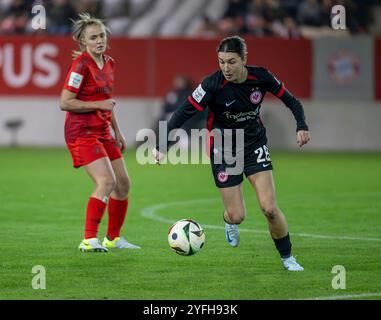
[118, 242]
[91, 245]
[232, 234]
[290, 264]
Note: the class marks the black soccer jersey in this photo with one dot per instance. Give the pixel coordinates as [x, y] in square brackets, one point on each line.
[237, 105]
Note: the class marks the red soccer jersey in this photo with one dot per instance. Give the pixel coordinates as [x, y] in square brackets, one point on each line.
[90, 83]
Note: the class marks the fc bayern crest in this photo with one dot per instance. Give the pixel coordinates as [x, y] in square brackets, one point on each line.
[222, 176]
[343, 67]
[256, 97]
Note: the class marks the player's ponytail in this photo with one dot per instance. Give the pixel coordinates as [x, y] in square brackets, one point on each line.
[233, 44]
[79, 27]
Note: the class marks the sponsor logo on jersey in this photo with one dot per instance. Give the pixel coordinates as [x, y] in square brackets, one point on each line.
[256, 97]
[102, 90]
[75, 80]
[228, 104]
[242, 116]
[222, 176]
[198, 94]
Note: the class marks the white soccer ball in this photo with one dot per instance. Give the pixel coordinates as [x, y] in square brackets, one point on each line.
[186, 237]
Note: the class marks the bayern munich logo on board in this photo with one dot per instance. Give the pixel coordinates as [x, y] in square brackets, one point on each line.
[343, 67]
[222, 176]
[256, 97]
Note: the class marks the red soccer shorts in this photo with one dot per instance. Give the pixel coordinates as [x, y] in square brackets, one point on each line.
[86, 150]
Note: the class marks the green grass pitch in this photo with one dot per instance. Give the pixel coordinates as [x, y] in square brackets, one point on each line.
[332, 203]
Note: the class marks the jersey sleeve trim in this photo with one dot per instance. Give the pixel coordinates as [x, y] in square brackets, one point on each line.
[195, 104]
[280, 93]
[251, 77]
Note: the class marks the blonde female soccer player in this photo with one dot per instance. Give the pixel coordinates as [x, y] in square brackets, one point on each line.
[87, 99]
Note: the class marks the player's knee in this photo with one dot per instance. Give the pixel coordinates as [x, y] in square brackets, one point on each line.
[108, 184]
[237, 220]
[269, 210]
[235, 216]
[123, 186]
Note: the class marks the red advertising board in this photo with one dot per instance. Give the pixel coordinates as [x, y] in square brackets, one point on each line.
[144, 67]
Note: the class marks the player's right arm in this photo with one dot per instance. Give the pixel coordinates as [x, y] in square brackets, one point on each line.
[195, 103]
[74, 82]
[69, 102]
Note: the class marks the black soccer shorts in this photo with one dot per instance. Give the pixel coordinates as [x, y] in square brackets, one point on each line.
[255, 158]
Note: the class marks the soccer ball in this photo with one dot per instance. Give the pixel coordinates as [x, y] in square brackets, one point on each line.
[186, 237]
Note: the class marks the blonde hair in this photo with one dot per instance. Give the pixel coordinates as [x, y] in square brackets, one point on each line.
[79, 27]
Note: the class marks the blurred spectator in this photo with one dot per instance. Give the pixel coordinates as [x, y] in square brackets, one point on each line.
[272, 11]
[292, 29]
[235, 8]
[256, 7]
[229, 26]
[364, 15]
[264, 18]
[117, 15]
[358, 13]
[115, 8]
[325, 12]
[309, 13]
[206, 29]
[4, 5]
[257, 26]
[91, 6]
[232, 21]
[258, 18]
[59, 13]
[288, 29]
[16, 17]
[181, 89]
[290, 7]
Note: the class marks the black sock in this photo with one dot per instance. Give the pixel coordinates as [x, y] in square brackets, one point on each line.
[283, 245]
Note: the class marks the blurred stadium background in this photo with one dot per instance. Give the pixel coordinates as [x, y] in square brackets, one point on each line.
[333, 209]
[333, 72]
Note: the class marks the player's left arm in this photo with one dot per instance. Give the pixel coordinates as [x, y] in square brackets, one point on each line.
[278, 89]
[119, 137]
[302, 131]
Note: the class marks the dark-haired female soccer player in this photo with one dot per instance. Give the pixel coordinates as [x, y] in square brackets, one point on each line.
[234, 95]
[87, 98]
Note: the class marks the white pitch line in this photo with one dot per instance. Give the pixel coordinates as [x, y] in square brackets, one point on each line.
[150, 213]
[349, 296]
